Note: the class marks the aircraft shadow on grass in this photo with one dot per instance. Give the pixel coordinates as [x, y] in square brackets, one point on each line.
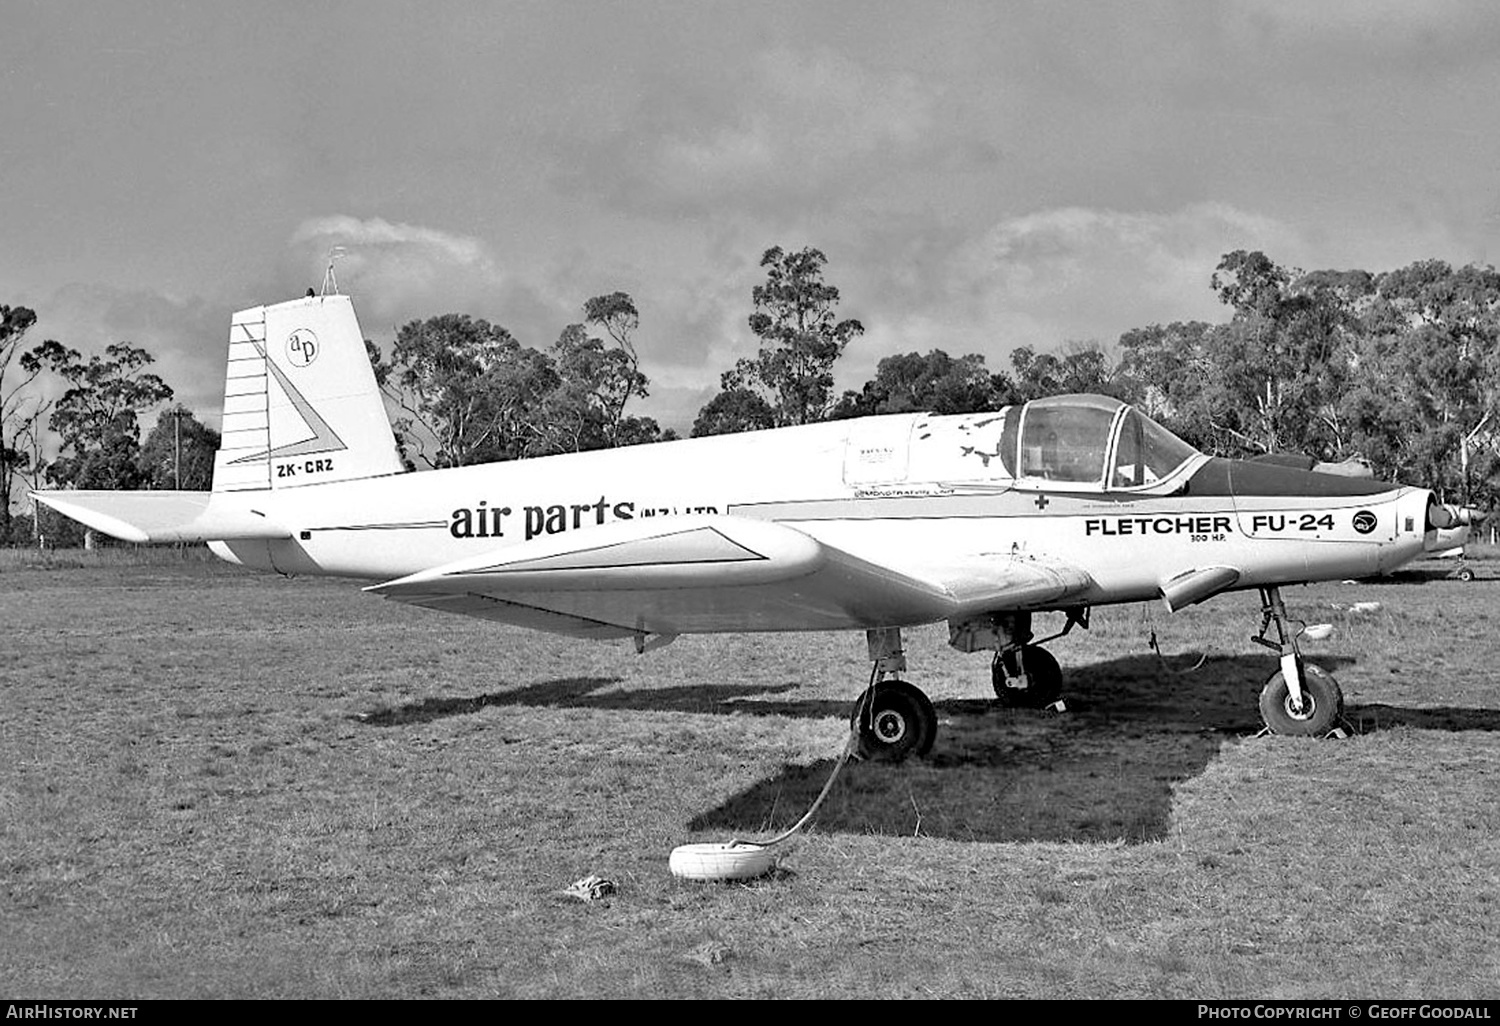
[1410, 575]
[1102, 771]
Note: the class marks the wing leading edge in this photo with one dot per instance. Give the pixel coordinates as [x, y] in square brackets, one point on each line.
[714, 573]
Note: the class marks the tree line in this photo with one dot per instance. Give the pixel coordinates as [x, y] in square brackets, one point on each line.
[1400, 367]
[96, 420]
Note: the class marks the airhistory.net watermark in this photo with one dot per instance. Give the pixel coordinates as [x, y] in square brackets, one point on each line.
[50, 1010]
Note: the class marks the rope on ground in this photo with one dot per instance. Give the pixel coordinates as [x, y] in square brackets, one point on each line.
[1150, 625]
[1163, 659]
[849, 750]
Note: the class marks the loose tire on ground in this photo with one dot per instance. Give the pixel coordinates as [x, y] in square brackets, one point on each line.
[1322, 704]
[894, 720]
[736, 861]
[1044, 678]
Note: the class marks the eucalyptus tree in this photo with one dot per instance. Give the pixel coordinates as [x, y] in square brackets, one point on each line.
[98, 416]
[597, 380]
[469, 392]
[800, 337]
[179, 452]
[21, 407]
[933, 382]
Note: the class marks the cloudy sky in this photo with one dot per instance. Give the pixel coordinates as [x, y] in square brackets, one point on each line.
[980, 175]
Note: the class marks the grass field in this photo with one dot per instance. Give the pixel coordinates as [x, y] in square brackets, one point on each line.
[215, 784]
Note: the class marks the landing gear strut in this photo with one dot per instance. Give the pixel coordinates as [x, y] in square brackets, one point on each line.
[1300, 699]
[893, 718]
[1024, 675]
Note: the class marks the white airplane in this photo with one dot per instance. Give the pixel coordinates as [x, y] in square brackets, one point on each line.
[877, 524]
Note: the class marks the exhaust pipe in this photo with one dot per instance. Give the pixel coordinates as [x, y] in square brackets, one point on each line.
[1197, 585]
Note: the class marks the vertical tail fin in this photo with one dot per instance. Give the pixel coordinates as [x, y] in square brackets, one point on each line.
[301, 405]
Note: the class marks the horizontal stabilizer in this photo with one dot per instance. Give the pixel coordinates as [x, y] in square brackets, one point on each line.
[163, 516]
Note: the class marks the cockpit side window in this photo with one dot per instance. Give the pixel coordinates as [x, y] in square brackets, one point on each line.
[1130, 459]
[1008, 438]
[1065, 442]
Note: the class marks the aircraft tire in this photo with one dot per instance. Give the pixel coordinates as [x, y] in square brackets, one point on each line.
[1466, 574]
[1323, 704]
[894, 720]
[1044, 687]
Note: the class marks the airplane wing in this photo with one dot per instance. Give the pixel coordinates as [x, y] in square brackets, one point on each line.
[163, 516]
[711, 573]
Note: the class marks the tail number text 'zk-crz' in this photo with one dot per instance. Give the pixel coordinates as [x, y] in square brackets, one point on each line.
[306, 467]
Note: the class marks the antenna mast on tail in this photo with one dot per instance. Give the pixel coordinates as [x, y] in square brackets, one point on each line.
[330, 283]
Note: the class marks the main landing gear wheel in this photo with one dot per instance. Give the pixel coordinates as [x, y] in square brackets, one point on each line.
[1026, 678]
[1322, 704]
[894, 720]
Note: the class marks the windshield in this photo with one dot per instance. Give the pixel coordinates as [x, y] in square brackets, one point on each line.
[1146, 452]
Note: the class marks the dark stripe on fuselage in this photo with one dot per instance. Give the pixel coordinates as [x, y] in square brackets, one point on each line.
[1242, 477]
[415, 525]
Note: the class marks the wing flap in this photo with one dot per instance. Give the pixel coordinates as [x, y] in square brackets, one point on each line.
[487, 607]
[992, 582]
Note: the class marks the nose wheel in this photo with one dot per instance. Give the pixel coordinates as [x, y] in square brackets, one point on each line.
[1320, 710]
[1300, 699]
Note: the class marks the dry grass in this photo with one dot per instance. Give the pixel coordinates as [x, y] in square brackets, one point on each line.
[112, 554]
[214, 784]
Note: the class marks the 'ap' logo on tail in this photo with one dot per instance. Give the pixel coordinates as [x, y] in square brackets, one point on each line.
[301, 347]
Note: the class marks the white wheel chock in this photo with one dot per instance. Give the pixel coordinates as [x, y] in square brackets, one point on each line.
[721, 861]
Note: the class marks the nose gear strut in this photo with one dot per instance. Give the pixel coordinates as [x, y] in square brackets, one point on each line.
[1301, 699]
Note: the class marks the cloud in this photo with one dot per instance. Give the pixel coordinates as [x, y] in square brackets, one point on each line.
[395, 263]
[1052, 276]
[400, 272]
[789, 127]
[1068, 252]
[1366, 37]
[805, 116]
[379, 234]
[1043, 278]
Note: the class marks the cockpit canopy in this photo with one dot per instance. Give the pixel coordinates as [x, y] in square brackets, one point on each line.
[1077, 438]
[1062, 443]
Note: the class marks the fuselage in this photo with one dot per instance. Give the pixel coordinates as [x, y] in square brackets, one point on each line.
[913, 492]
